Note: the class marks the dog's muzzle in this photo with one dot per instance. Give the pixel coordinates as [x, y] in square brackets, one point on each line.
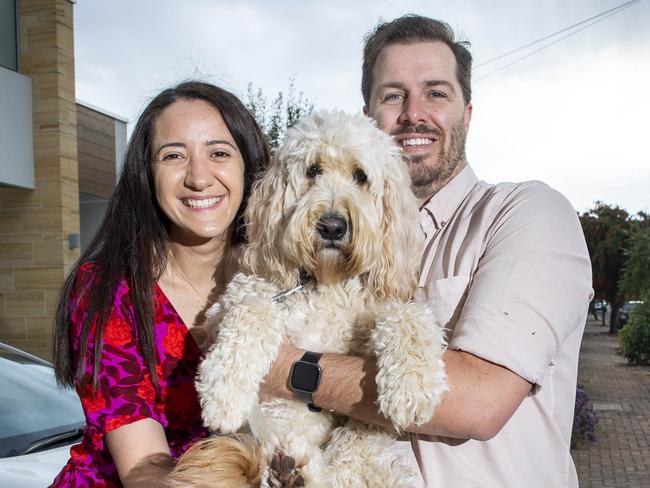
[332, 227]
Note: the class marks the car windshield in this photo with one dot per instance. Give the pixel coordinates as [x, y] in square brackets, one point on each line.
[33, 410]
[629, 306]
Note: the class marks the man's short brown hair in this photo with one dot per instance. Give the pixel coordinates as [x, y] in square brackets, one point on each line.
[409, 29]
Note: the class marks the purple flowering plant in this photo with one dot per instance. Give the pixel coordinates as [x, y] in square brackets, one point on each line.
[584, 420]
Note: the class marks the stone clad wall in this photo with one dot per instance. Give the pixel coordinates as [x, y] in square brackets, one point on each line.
[34, 225]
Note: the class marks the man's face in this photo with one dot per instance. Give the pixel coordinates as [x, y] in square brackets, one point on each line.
[416, 98]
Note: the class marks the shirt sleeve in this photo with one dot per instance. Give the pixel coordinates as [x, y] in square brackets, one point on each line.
[532, 284]
[125, 392]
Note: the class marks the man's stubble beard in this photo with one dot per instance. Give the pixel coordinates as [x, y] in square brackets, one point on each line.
[426, 180]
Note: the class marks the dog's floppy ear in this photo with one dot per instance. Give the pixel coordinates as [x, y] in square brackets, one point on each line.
[264, 224]
[396, 276]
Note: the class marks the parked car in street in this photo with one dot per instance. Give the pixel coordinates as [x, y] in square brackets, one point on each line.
[600, 305]
[625, 311]
[38, 421]
[597, 308]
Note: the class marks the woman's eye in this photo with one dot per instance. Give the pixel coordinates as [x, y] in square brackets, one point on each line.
[171, 157]
[314, 170]
[220, 154]
[360, 176]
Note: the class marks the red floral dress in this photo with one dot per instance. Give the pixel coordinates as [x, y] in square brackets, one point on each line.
[126, 392]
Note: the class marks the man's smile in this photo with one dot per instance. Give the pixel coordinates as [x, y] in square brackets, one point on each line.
[415, 143]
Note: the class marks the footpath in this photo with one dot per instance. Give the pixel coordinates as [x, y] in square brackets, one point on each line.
[620, 394]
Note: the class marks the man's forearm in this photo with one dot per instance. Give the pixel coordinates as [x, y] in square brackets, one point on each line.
[481, 399]
[348, 387]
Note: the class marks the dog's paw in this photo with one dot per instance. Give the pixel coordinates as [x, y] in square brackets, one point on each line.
[225, 419]
[226, 397]
[409, 397]
[284, 473]
[224, 407]
[411, 378]
[250, 333]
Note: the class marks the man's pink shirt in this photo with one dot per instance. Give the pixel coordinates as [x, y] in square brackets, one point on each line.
[507, 272]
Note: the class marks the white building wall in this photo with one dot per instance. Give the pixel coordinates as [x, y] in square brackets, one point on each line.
[17, 155]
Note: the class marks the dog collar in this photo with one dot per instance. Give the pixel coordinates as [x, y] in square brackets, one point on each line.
[283, 295]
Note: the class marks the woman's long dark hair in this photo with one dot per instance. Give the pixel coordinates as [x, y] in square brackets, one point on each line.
[133, 239]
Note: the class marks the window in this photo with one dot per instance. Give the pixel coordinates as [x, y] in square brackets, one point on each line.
[8, 35]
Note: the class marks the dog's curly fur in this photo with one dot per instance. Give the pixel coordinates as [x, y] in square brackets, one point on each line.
[332, 165]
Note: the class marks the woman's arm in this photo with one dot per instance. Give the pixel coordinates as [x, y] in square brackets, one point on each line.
[141, 453]
[122, 409]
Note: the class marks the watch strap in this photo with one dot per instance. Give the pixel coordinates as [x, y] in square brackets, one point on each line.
[305, 396]
[311, 357]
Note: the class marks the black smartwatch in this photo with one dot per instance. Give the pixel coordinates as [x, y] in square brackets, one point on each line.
[305, 378]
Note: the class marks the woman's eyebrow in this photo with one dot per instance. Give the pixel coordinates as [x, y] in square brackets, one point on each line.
[182, 144]
[170, 144]
[220, 141]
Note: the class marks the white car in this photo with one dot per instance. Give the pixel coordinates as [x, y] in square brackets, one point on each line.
[39, 422]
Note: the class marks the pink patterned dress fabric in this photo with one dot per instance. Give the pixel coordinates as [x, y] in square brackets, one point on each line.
[126, 393]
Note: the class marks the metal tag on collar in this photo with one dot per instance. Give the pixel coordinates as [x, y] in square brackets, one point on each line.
[283, 295]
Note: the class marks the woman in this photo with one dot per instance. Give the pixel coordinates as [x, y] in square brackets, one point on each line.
[123, 329]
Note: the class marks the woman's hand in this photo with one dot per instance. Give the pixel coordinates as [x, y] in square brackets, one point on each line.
[151, 472]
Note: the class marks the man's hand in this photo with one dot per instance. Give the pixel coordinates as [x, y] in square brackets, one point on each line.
[276, 383]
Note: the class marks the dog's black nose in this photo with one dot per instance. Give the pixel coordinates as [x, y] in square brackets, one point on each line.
[332, 228]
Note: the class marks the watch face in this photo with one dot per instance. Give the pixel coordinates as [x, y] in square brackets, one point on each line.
[305, 376]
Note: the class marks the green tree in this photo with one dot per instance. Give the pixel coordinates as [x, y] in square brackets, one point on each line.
[635, 281]
[635, 336]
[281, 114]
[606, 229]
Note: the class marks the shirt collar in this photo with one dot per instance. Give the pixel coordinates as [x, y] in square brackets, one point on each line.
[441, 206]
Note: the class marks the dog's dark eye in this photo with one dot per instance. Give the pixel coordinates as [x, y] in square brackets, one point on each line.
[314, 170]
[360, 176]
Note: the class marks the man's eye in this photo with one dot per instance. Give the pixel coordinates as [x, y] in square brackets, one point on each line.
[314, 170]
[393, 98]
[437, 94]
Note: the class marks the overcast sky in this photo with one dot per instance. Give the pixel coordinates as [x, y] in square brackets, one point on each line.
[574, 115]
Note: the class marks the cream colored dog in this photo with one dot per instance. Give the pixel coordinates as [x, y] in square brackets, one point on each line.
[336, 205]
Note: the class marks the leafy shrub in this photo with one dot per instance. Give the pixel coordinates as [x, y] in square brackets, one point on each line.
[635, 335]
[584, 420]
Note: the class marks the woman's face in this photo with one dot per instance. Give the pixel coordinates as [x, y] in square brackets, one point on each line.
[198, 171]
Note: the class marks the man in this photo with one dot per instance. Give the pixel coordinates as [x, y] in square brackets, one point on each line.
[505, 268]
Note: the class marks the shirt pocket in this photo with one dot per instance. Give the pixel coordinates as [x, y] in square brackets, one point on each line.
[445, 297]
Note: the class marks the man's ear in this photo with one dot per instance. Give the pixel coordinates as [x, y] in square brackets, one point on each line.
[467, 116]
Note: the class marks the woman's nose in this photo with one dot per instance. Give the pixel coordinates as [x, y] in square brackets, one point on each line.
[199, 175]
